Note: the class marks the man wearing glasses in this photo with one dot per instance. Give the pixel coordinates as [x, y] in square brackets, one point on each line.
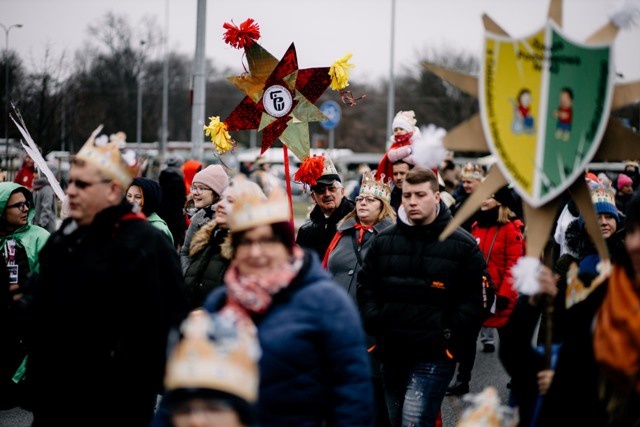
[331, 206]
[108, 292]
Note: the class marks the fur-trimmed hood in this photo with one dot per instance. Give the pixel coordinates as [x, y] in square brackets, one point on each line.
[202, 238]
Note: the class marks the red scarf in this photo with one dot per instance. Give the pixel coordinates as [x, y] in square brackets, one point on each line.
[362, 229]
[338, 236]
[385, 166]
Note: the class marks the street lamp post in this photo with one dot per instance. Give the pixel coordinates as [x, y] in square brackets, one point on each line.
[6, 89]
[139, 103]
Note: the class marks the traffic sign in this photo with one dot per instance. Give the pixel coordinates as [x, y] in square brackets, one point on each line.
[332, 110]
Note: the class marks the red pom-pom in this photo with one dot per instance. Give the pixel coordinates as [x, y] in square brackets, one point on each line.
[310, 170]
[244, 35]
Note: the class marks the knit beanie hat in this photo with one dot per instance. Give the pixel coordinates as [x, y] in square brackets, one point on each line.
[604, 199]
[623, 180]
[405, 120]
[214, 177]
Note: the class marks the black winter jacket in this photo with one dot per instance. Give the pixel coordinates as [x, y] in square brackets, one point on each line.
[318, 231]
[419, 296]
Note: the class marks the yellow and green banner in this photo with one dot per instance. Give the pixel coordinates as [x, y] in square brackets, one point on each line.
[544, 104]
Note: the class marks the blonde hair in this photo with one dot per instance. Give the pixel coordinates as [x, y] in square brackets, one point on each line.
[505, 214]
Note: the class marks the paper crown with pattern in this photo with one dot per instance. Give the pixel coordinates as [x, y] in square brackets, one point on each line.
[216, 353]
[603, 197]
[106, 156]
[369, 186]
[250, 211]
[472, 171]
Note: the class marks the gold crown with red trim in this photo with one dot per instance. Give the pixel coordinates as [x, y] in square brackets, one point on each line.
[250, 211]
[106, 156]
[370, 186]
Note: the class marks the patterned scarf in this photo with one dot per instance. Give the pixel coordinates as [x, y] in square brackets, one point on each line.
[617, 333]
[254, 293]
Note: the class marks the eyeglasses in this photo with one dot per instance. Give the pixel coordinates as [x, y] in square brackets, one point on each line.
[323, 189]
[368, 199]
[195, 189]
[261, 243]
[81, 185]
[23, 206]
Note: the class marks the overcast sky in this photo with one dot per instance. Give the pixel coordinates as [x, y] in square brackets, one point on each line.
[322, 30]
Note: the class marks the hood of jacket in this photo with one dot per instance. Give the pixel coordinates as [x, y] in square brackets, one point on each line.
[152, 193]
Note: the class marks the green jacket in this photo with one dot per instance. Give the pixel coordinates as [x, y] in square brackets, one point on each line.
[29, 237]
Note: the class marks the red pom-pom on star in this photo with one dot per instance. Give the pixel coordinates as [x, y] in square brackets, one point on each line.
[247, 33]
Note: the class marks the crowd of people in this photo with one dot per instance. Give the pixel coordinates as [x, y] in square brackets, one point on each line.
[192, 299]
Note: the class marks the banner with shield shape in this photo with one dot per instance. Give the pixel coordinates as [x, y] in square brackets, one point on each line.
[542, 103]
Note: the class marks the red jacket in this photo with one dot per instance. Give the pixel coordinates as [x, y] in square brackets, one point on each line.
[502, 245]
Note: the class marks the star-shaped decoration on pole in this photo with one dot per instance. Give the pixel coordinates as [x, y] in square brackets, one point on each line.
[280, 97]
[543, 142]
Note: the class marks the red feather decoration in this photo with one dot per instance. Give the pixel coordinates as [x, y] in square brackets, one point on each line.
[310, 170]
[247, 33]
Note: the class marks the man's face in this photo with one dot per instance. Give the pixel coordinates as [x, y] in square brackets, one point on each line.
[328, 197]
[419, 202]
[89, 192]
[399, 171]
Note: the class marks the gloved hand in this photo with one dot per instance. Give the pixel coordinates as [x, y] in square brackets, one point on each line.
[502, 302]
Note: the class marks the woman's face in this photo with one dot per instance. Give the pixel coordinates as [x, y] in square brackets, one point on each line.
[224, 206]
[489, 204]
[368, 209]
[259, 251]
[135, 196]
[203, 196]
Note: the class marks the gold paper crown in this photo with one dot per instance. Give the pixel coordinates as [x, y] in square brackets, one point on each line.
[375, 188]
[228, 362]
[472, 171]
[107, 158]
[329, 168]
[251, 211]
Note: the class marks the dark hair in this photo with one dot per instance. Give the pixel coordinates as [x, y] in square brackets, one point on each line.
[419, 175]
[568, 91]
[246, 411]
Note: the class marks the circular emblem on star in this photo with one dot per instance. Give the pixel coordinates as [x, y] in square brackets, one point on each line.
[277, 101]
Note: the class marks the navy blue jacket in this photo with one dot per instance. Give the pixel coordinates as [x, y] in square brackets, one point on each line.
[314, 366]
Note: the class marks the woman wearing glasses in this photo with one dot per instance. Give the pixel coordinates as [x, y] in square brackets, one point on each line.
[206, 188]
[208, 251]
[372, 214]
[20, 242]
[314, 367]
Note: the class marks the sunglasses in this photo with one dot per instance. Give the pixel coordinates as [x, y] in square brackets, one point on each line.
[84, 184]
[20, 205]
[322, 190]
